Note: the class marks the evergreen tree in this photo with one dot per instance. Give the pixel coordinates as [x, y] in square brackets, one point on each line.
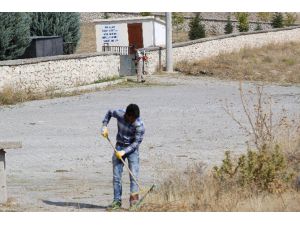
[242, 18]
[258, 26]
[277, 20]
[228, 27]
[64, 24]
[14, 34]
[197, 30]
[106, 15]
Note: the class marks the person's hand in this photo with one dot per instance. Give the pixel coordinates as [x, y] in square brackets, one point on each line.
[104, 131]
[120, 154]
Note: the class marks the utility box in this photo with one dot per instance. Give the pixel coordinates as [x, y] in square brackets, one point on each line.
[143, 32]
[42, 46]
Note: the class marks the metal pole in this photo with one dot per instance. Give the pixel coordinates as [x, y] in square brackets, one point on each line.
[3, 190]
[169, 52]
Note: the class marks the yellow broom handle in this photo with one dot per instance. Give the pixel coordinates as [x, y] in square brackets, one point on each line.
[115, 150]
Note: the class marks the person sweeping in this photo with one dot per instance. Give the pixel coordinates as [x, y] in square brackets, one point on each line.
[130, 135]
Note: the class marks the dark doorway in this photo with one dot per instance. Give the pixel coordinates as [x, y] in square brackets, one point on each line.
[135, 35]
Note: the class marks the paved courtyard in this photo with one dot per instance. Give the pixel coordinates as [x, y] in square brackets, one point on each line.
[65, 164]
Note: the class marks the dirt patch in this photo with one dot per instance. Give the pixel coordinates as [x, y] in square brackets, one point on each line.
[87, 41]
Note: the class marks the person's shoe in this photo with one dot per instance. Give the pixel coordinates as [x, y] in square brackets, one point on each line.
[115, 205]
[143, 81]
[134, 198]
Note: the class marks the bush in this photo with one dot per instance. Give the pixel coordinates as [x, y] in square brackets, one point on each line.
[242, 18]
[14, 34]
[264, 170]
[228, 27]
[64, 24]
[290, 19]
[145, 13]
[177, 20]
[277, 20]
[197, 30]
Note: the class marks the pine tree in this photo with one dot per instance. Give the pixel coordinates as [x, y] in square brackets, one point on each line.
[14, 34]
[228, 27]
[277, 20]
[65, 24]
[197, 30]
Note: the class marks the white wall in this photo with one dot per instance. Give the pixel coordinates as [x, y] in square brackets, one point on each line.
[193, 50]
[153, 33]
[160, 34]
[120, 29]
[58, 72]
[148, 33]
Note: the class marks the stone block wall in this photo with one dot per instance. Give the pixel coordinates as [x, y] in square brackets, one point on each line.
[58, 72]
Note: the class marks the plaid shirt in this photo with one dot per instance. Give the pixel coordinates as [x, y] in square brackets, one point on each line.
[129, 135]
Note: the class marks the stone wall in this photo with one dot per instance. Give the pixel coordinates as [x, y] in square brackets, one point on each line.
[214, 22]
[58, 72]
[208, 47]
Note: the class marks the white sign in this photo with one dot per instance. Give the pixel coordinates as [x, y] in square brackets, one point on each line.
[109, 34]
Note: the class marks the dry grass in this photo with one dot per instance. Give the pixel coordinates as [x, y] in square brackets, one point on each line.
[264, 179]
[10, 206]
[197, 189]
[180, 36]
[278, 63]
[11, 96]
[193, 191]
[87, 41]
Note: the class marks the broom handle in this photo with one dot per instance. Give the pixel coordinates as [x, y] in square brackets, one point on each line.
[115, 150]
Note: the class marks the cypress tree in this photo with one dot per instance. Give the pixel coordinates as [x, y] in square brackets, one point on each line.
[65, 24]
[228, 27]
[197, 29]
[14, 34]
[277, 20]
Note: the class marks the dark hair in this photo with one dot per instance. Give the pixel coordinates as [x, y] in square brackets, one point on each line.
[133, 110]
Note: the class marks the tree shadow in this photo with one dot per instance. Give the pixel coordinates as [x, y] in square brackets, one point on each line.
[76, 205]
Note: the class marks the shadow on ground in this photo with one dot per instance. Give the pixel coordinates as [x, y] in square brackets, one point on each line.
[76, 205]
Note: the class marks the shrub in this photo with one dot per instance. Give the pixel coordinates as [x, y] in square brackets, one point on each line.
[242, 18]
[290, 19]
[64, 24]
[177, 20]
[277, 20]
[145, 13]
[264, 170]
[228, 27]
[14, 34]
[197, 30]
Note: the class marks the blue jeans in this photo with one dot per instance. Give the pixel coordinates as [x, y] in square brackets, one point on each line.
[133, 163]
